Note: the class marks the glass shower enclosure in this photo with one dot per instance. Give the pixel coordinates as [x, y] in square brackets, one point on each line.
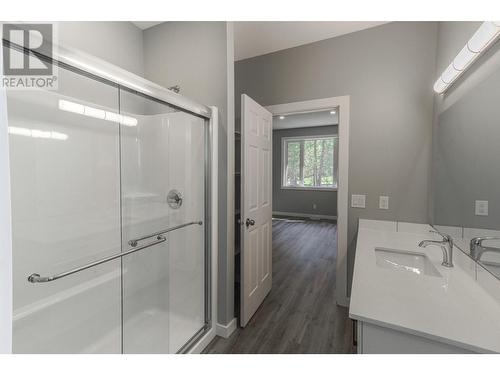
[110, 219]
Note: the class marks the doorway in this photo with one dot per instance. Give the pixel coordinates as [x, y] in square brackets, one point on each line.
[307, 174]
[309, 229]
[339, 108]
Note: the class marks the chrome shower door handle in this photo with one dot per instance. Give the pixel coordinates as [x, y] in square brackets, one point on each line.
[37, 278]
[249, 222]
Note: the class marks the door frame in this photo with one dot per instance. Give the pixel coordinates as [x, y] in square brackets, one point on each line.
[342, 103]
[213, 237]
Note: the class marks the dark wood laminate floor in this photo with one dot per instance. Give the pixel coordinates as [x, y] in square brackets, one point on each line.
[300, 314]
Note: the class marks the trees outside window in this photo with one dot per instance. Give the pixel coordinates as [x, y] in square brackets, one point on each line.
[309, 162]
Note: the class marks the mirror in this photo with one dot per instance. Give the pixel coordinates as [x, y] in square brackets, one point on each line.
[466, 164]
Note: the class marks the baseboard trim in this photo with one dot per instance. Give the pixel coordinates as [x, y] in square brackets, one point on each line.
[226, 330]
[310, 216]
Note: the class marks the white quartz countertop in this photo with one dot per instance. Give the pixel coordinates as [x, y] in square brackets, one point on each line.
[452, 309]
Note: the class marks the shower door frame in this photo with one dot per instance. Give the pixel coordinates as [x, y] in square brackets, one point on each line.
[100, 70]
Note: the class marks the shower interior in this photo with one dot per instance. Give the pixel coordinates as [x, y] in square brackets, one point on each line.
[92, 165]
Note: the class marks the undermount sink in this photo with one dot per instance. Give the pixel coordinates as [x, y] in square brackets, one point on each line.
[407, 261]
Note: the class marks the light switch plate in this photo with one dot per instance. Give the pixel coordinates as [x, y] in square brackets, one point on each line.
[358, 200]
[481, 208]
[383, 202]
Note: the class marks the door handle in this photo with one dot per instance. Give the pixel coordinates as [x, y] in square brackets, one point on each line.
[249, 222]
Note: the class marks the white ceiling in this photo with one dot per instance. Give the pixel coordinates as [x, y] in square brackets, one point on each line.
[255, 38]
[305, 120]
[258, 38]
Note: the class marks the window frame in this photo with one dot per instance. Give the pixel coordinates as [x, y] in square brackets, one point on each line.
[284, 161]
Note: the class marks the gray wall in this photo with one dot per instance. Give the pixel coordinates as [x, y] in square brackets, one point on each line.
[119, 43]
[300, 201]
[389, 72]
[466, 135]
[194, 56]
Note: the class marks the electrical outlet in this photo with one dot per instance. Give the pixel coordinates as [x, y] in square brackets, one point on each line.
[314, 206]
[358, 200]
[383, 202]
[481, 208]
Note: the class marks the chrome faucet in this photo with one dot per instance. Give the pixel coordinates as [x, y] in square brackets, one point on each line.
[446, 245]
[477, 249]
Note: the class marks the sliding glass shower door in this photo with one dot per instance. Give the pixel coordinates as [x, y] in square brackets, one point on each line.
[163, 187]
[65, 187]
[109, 198]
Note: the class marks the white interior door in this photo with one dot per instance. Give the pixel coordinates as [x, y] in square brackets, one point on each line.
[256, 203]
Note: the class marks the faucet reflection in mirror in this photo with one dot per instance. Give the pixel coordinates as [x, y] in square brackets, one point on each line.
[477, 249]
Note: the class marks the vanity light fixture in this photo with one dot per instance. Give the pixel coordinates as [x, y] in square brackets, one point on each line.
[483, 38]
[68, 106]
[333, 112]
[282, 117]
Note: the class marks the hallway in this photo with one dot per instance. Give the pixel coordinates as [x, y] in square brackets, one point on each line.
[300, 314]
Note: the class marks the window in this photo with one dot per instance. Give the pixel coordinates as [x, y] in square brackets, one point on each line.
[309, 163]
